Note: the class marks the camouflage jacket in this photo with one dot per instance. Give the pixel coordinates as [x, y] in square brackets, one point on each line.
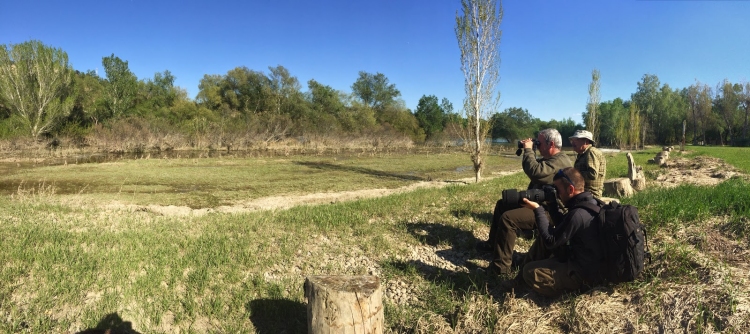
[593, 167]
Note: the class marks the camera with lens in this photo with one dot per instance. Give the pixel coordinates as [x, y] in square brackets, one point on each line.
[547, 194]
[519, 151]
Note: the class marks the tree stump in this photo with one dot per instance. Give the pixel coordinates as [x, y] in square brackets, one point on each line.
[664, 154]
[618, 187]
[344, 304]
[638, 184]
[635, 174]
[661, 161]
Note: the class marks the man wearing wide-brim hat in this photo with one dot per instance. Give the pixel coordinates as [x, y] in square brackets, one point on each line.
[590, 161]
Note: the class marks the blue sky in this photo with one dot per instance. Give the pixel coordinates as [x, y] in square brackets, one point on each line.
[548, 47]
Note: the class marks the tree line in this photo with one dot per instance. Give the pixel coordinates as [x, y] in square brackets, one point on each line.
[42, 96]
[657, 113]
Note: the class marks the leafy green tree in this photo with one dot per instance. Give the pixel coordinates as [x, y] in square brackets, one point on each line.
[210, 92]
[375, 90]
[567, 127]
[33, 81]
[121, 86]
[634, 128]
[284, 90]
[514, 124]
[700, 103]
[89, 93]
[694, 95]
[645, 99]
[670, 111]
[328, 110]
[613, 116]
[363, 116]
[398, 118]
[727, 105]
[161, 90]
[478, 33]
[246, 91]
[447, 106]
[430, 115]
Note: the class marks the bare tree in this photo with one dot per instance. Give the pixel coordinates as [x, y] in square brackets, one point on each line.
[592, 107]
[33, 81]
[478, 33]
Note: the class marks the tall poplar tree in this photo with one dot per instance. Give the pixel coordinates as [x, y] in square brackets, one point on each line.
[478, 33]
[592, 107]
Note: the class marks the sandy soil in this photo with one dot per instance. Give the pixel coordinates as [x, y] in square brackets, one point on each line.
[700, 170]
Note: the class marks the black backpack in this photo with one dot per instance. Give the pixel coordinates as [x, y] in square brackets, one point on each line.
[623, 238]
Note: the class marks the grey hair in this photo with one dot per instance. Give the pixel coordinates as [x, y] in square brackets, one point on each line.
[552, 136]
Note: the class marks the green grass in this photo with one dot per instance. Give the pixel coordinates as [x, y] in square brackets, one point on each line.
[735, 156]
[672, 207]
[211, 182]
[65, 268]
[617, 163]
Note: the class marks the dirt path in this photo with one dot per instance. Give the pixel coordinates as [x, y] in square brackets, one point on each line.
[700, 170]
[288, 201]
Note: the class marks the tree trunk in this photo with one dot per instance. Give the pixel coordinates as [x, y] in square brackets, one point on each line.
[344, 304]
[635, 174]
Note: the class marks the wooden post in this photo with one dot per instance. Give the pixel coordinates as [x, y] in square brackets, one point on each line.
[344, 304]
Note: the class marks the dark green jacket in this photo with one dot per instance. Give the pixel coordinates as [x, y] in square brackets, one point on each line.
[542, 171]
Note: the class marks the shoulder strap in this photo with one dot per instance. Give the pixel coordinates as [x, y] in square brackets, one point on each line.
[593, 208]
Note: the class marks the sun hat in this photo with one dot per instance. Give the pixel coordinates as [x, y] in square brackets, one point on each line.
[584, 134]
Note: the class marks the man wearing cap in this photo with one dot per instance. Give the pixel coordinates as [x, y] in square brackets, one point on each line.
[508, 219]
[590, 161]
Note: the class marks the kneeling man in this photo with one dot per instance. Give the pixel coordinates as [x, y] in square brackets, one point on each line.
[569, 256]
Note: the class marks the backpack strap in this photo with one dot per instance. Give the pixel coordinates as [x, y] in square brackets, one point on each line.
[593, 208]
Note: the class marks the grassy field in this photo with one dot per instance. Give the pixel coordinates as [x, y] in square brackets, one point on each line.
[736, 156]
[210, 182]
[70, 263]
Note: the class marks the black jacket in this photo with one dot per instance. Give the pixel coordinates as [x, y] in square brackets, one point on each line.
[574, 238]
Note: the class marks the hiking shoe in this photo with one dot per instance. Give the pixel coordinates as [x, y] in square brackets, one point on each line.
[494, 270]
[518, 260]
[484, 247]
[513, 283]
